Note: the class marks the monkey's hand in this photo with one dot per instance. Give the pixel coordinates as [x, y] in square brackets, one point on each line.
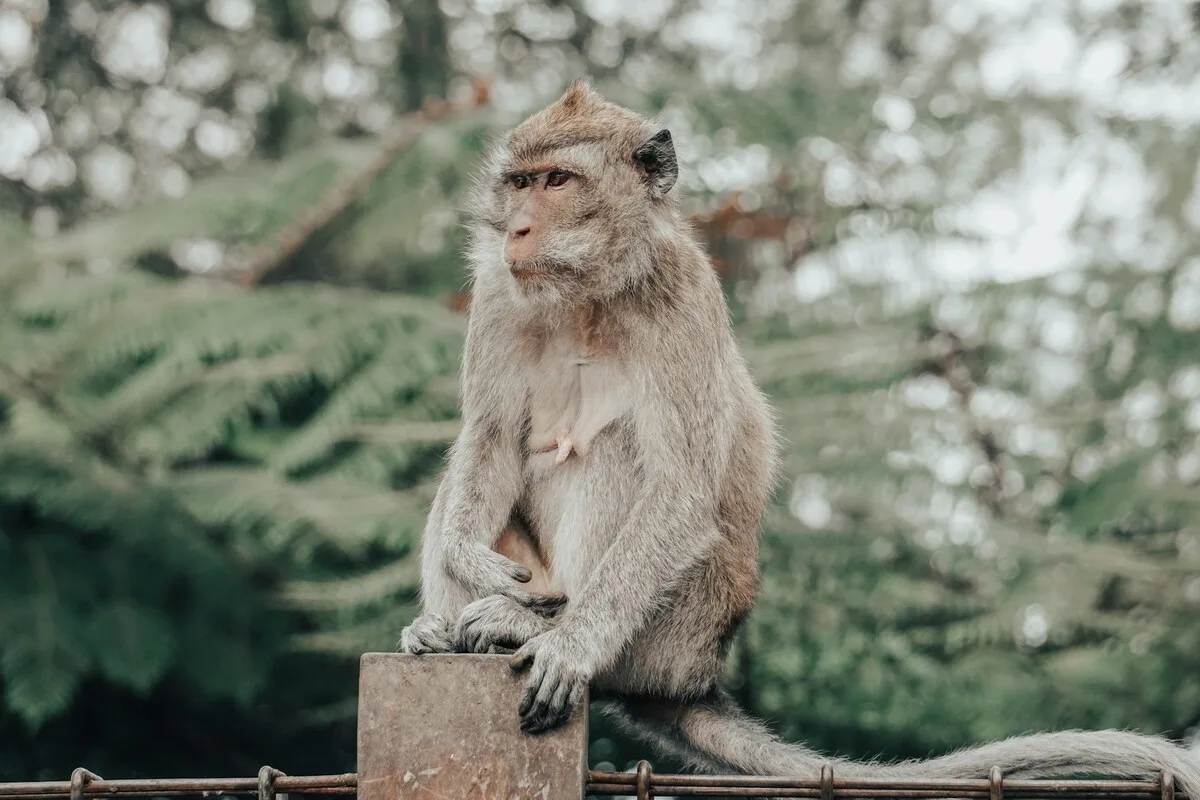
[559, 672]
[500, 620]
[483, 572]
[428, 633]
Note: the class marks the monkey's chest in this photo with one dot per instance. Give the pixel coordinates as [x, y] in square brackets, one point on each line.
[580, 474]
[573, 400]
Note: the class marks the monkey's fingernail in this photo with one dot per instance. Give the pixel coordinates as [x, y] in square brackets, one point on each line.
[524, 575]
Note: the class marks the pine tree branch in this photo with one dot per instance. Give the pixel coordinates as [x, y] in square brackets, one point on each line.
[266, 259]
[16, 384]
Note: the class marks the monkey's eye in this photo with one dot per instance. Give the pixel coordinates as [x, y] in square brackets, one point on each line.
[557, 178]
[519, 181]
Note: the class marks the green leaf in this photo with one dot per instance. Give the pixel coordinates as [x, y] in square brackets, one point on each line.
[42, 659]
[133, 645]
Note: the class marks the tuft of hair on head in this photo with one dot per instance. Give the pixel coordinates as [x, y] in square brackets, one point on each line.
[578, 92]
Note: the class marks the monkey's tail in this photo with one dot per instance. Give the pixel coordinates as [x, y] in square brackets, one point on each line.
[715, 735]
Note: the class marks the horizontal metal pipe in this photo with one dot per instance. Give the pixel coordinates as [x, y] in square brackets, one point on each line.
[663, 785]
[623, 783]
[956, 788]
[150, 787]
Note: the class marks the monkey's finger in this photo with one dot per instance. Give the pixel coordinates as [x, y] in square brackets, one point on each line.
[576, 695]
[516, 571]
[538, 688]
[557, 710]
[523, 657]
[542, 603]
[527, 700]
[536, 703]
[465, 642]
[411, 643]
[481, 639]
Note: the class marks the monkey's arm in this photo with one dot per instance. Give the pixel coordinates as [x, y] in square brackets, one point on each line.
[477, 492]
[483, 474]
[680, 434]
[482, 482]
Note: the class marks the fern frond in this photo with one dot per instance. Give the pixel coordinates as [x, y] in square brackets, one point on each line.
[372, 587]
[275, 517]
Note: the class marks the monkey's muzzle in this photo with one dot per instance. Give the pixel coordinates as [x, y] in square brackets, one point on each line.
[534, 269]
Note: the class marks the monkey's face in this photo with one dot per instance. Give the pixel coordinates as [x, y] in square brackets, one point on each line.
[573, 201]
[550, 223]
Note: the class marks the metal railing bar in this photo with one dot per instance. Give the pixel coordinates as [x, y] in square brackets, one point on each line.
[151, 787]
[643, 782]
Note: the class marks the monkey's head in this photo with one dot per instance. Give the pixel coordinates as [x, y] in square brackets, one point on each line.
[573, 203]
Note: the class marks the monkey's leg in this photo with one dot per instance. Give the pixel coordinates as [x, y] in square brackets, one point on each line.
[428, 633]
[443, 593]
[447, 565]
[500, 621]
[666, 531]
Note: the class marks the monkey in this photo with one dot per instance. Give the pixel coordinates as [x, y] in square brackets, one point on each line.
[599, 513]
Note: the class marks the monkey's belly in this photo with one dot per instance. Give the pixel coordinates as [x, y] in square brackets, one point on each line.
[576, 509]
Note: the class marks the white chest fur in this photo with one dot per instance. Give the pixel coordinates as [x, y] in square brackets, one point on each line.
[573, 398]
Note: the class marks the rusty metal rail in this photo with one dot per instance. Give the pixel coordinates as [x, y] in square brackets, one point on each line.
[642, 783]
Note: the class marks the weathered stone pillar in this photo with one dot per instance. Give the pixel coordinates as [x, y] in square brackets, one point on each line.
[446, 726]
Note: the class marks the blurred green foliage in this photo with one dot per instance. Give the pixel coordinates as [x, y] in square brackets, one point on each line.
[211, 496]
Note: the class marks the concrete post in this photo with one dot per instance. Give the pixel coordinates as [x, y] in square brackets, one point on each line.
[446, 726]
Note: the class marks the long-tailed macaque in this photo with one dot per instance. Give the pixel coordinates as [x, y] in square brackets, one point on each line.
[601, 507]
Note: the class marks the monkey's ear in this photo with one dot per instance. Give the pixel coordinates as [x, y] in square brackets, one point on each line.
[656, 157]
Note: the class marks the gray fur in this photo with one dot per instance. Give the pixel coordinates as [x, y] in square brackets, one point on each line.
[614, 443]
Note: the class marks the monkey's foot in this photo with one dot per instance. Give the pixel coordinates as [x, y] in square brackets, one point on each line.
[428, 633]
[499, 621]
[558, 676]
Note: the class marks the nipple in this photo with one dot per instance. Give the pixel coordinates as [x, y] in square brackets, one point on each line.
[565, 446]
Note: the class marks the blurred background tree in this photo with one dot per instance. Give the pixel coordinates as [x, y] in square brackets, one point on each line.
[959, 240]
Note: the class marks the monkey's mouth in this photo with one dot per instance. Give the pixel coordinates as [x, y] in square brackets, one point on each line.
[537, 268]
[522, 272]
